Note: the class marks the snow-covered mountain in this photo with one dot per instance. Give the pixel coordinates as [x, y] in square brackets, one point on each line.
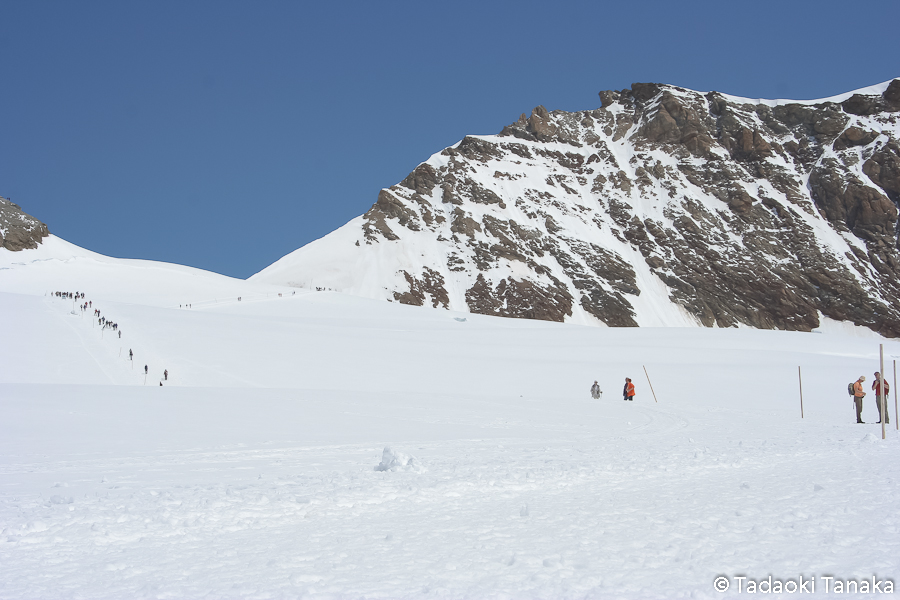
[664, 206]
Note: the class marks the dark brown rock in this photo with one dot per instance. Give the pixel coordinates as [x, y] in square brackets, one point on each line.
[607, 98]
[854, 136]
[422, 180]
[883, 168]
[431, 283]
[846, 201]
[644, 92]
[19, 231]
[892, 94]
[674, 122]
[393, 208]
[463, 223]
[859, 104]
[522, 299]
[541, 125]
[477, 149]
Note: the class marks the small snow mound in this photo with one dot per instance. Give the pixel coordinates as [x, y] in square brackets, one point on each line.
[870, 438]
[397, 461]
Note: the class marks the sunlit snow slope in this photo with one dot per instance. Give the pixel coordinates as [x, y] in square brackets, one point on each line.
[321, 445]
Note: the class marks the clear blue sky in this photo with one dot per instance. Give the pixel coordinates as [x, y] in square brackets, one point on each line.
[224, 135]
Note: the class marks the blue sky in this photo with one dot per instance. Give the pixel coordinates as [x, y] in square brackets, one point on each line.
[224, 135]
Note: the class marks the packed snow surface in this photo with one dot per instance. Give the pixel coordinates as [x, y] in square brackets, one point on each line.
[319, 445]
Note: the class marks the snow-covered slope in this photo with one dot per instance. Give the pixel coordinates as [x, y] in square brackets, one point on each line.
[322, 445]
[663, 207]
[57, 265]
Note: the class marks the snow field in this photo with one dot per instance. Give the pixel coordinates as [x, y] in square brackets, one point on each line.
[255, 472]
[610, 500]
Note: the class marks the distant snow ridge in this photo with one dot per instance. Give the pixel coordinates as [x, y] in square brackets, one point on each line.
[664, 206]
[391, 460]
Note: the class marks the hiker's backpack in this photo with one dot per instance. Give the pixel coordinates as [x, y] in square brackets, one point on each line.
[850, 389]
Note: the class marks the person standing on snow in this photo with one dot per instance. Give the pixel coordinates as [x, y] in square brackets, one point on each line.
[596, 391]
[146, 369]
[130, 354]
[166, 374]
[628, 390]
[858, 394]
[876, 385]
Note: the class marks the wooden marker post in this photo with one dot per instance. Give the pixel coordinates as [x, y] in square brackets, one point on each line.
[651, 385]
[881, 402]
[800, 379]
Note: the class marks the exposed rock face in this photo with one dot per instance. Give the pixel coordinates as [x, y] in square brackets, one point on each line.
[19, 231]
[662, 207]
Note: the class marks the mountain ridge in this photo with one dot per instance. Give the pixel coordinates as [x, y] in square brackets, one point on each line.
[664, 206]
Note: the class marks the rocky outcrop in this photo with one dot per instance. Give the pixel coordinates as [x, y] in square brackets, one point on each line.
[19, 231]
[662, 206]
[430, 285]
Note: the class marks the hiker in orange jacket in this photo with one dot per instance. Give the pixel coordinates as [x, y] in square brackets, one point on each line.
[628, 390]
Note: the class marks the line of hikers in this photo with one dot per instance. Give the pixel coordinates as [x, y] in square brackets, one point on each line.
[147, 367]
[105, 323]
[627, 391]
[69, 295]
[856, 390]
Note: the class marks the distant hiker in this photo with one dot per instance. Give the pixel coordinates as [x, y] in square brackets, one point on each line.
[596, 391]
[120, 335]
[146, 369]
[628, 390]
[130, 354]
[858, 394]
[166, 374]
[876, 385]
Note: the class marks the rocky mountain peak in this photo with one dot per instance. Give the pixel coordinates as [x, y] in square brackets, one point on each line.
[19, 231]
[664, 206]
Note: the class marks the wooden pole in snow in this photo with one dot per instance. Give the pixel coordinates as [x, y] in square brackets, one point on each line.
[800, 379]
[881, 402]
[651, 385]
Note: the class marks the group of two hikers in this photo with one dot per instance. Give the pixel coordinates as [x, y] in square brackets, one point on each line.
[627, 391]
[858, 393]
